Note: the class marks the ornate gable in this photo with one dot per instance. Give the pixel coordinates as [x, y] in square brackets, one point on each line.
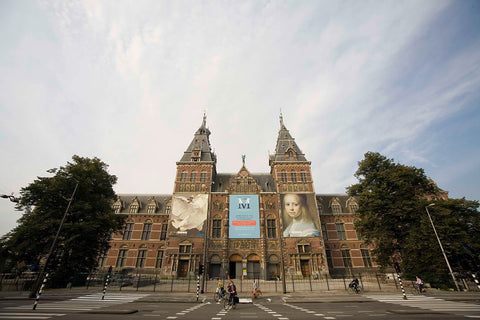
[244, 183]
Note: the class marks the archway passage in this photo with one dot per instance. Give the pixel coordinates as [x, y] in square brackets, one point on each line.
[215, 269]
[253, 266]
[235, 266]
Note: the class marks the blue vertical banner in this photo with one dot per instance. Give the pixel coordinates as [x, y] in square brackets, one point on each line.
[244, 217]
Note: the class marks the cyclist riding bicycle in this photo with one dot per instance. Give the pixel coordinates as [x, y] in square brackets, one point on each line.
[220, 290]
[354, 285]
[232, 292]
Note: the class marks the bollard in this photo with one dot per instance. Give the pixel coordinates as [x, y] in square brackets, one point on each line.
[401, 286]
[40, 291]
[107, 280]
[198, 285]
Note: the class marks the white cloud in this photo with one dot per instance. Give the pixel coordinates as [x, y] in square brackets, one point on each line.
[129, 81]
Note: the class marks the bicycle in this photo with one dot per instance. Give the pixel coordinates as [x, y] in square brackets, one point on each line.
[354, 289]
[219, 295]
[416, 290]
[229, 303]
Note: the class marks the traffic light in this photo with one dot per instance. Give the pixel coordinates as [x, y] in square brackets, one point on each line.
[200, 269]
[397, 267]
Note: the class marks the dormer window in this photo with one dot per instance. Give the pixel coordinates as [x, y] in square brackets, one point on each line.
[133, 208]
[116, 208]
[151, 208]
[336, 208]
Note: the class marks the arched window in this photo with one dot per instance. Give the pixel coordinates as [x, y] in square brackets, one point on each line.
[147, 229]
[142, 256]
[122, 256]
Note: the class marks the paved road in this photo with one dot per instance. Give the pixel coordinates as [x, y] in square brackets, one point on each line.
[282, 307]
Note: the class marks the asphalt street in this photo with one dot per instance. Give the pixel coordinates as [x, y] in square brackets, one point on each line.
[64, 304]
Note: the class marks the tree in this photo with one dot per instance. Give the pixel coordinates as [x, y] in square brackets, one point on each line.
[391, 215]
[86, 231]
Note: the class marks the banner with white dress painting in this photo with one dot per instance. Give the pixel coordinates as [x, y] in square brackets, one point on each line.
[189, 214]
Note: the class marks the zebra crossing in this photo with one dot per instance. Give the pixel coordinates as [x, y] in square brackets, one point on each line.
[430, 303]
[82, 303]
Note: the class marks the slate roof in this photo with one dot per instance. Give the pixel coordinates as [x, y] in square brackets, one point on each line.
[286, 142]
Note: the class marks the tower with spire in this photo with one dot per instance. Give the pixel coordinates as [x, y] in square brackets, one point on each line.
[236, 225]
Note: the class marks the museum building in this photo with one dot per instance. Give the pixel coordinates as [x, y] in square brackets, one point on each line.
[249, 225]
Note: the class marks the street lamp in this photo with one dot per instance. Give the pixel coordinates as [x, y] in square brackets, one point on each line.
[10, 197]
[441, 247]
[38, 288]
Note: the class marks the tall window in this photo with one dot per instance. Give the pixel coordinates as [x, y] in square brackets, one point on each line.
[341, 231]
[271, 228]
[193, 176]
[183, 177]
[101, 259]
[328, 252]
[284, 176]
[151, 208]
[167, 209]
[142, 255]
[320, 209]
[133, 208]
[147, 228]
[336, 208]
[116, 208]
[347, 259]
[324, 231]
[353, 208]
[367, 260]
[303, 176]
[294, 177]
[203, 177]
[185, 248]
[304, 248]
[163, 234]
[127, 231]
[159, 262]
[216, 228]
[122, 257]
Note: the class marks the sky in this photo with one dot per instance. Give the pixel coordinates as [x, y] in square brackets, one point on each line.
[129, 81]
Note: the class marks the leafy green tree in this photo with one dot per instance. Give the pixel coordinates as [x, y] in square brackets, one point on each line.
[391, 215]
[86, 231]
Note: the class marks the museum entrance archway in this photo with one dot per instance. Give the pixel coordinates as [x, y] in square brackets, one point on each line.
[253, 266]
[235, 266]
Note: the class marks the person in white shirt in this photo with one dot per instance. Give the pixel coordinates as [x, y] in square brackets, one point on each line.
[296, 217]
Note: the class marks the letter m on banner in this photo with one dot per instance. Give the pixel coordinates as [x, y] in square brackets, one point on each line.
[242, 205]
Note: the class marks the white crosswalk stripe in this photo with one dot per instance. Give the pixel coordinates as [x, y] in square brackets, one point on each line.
[83, 303]
[428, 303]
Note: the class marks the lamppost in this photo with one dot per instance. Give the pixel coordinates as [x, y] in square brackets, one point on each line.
[38, 288]
[10, 197]
[441, 247]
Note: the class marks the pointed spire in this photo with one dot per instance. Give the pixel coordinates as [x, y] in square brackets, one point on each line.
[200, 149]
[286, 149]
